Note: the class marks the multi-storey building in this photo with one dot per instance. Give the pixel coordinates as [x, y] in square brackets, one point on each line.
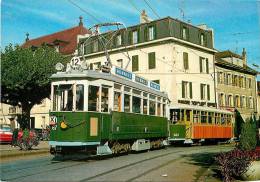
[177, 55]
[65, 42]
[236, 83]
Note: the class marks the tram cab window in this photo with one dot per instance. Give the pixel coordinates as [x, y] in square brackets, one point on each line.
[175, 115]
[127, 103]
[117, 101]
[151, 107]
[55, 98]
[104, 99]
[79, 97]
[93, 98]
[145, 106]
[136, 105]
[66, 93]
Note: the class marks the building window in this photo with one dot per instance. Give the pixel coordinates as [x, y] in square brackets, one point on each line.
[186, 90]
[250, 102]
[95, 46]
[229, 101]
[135, 64]
[135, 37]
[221, 99]
[119, 63]
[208, 92]
[157, 81]
[204, 65]
[184, 33]
[119, 40]
[249, 83]
[237, 101]
[185, 60]
[242, 101]
[151, 60]
[229, 81]
[202, 39]
[203, 91]
[151, 33]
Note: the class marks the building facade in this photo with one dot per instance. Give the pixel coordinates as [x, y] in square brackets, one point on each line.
[65, 42]
[236, 83]
[175, 54]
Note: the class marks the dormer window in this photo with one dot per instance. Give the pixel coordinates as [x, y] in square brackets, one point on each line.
[184, 33]
[135, 37]
[151, 33]
[202, 39]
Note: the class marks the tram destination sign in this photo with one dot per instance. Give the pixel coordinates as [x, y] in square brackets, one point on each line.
[124, 73]
[154, 85]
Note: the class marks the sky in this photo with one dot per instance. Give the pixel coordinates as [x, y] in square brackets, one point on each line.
[236, 23]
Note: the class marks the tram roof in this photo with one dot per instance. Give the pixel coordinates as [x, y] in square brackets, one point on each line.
[75, 74]
[200, 108]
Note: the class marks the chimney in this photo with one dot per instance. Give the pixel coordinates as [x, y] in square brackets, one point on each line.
[244, 57]
[27, 37]
[80, 21]
[144, 18]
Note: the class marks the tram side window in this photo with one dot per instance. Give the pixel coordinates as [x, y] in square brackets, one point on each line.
[117, 101]
[104, 100]
[144, 106]
[188, 115]
[127, 103]
[93, 98]
[203, 117]
[223, 119]
[158, 109]
[210, 117]
[66, 97]
[229, 119]
[151, 107]
[195, 116]
[182, 115]
[217, 117]
[136, 105]
[79, 97]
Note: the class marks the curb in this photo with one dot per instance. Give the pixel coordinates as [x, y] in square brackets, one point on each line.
[19, 153]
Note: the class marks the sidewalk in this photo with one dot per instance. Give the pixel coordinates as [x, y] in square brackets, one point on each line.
[6, 150]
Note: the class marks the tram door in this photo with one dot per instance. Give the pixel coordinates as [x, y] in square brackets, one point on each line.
[188, 120]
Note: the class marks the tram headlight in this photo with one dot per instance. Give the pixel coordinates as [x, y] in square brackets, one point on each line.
[63, 125]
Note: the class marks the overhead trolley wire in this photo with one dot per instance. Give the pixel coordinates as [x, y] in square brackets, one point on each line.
[148, 4]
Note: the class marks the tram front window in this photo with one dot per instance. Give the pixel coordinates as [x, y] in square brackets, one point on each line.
[66, 97]
[79, 97]
[93, 98]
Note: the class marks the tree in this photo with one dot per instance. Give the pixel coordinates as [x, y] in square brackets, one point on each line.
[26, 77]
[238, 123]
[248, 135]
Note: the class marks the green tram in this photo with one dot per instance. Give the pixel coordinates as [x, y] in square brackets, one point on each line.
[192, 124]
[101, 113]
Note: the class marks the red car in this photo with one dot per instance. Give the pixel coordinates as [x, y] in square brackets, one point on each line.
[5, 133]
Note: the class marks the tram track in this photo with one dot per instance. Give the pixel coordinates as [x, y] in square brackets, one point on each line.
[51, 166]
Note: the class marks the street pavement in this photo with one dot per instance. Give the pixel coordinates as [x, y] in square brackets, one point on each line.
[171, 164]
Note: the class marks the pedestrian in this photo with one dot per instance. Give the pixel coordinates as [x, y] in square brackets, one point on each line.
[14, 137]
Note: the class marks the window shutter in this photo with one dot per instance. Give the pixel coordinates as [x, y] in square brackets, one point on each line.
[130, 34]
[207, 65]
[190, 90]
[146, 32]
[185, 60]
[201, 64]
[201, 93]
[151, 60]
[208, 92]
[183, 89]
[138, 36]
[155, 31]
[135, 64]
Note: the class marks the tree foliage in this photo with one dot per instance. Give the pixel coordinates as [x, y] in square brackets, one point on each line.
[238, 124]
[248, 136]
[26, 76]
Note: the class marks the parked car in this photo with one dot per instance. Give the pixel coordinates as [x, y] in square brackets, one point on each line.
[5, 133]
